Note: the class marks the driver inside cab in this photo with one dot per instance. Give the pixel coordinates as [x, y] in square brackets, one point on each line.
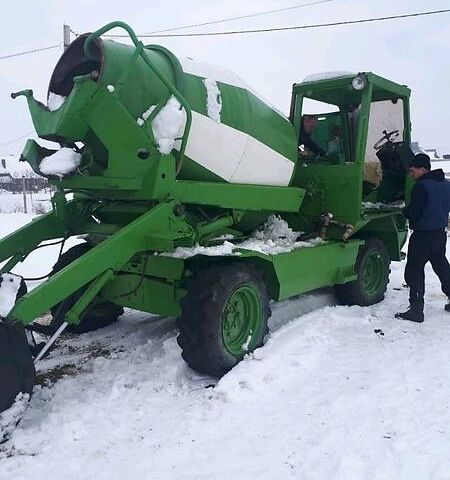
[307, 145]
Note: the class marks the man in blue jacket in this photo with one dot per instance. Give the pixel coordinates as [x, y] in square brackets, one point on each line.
[427, 213]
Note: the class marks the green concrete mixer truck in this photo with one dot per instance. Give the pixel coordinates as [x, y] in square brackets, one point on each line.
[198, 200]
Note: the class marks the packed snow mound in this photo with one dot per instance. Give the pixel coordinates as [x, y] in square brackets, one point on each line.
[9, 286]
[60, 163]
[316, 77]
[55, 101]
[213, 99]
[274, 238]
[167, 126]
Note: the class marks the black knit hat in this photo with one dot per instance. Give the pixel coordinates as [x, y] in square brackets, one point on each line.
[421, 160]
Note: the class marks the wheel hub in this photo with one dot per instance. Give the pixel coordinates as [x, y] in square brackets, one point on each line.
[241, 319]
[373, 270]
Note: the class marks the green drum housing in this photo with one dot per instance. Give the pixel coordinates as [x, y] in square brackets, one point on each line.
[234, 136]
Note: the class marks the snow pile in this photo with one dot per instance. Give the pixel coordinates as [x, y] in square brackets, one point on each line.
[226, 248]
[167, 126]
[383, 206]
[274, 238]
[213, 99]
[316, 77]
[247, 341]
[60, 163]
[9, 418]
[54, 101]
[9, 286]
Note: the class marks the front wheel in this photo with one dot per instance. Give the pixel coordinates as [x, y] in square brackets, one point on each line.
[372, 268]
[224, 316]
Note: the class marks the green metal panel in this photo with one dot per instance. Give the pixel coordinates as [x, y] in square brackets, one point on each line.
[332, 189]
[151, 295]
[299, 271]
[248, 197]
[389, 227]
[287, 274]
[306, 269]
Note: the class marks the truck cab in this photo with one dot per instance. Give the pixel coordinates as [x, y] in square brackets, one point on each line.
[363, 125]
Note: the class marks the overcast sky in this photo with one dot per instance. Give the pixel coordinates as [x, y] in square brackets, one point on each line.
[414, 52]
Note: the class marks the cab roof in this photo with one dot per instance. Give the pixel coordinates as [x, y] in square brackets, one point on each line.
[338, 90]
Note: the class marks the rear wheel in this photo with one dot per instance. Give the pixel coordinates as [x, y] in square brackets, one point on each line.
[372, 268]
[96, 316]
[224, 316]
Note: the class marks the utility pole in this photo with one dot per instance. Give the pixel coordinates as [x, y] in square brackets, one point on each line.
[24, 190]
[66, 36]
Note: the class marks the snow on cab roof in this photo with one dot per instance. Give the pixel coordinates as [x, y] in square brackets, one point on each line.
[315, 77]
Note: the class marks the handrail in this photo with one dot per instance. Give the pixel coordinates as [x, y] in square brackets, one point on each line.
[140, 46]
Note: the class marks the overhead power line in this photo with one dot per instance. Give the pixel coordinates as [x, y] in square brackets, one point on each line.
[240, 17]
[297, 27]
[15, 139]
[27, 52]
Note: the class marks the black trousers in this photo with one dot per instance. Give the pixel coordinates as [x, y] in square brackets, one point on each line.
[424, 247]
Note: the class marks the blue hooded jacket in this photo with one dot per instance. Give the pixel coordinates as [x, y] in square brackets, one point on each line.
[430, 202]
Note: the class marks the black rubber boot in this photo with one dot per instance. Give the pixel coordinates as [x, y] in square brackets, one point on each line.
[413, 314]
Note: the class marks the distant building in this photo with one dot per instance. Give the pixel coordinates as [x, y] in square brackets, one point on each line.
[431, 152]
[416, 148]
[15, 176]
[6, 181]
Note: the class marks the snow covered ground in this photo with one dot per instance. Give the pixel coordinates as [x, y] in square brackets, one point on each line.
[336, 393]
[36, 203]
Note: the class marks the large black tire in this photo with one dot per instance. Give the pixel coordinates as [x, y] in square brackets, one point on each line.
[372, 268]
[17, 371]
[97, 316]
[212, 343]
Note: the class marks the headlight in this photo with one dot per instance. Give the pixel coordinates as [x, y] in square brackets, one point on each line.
[359, 82]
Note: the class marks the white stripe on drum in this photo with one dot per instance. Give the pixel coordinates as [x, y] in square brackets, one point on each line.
[235, 156]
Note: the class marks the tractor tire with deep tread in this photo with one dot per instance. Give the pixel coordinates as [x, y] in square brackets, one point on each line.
[17, 372]
[224, 317]
[97, 316]
[372, 268]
